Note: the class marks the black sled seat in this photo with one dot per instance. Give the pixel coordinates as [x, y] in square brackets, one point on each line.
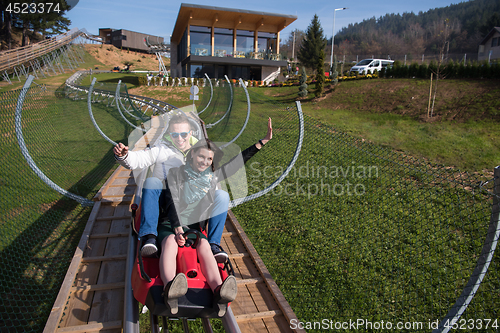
[148, 287]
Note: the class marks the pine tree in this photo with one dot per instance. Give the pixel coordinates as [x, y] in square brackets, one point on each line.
[320, 74]
[313, 43]
[46, 23]
[335, 73]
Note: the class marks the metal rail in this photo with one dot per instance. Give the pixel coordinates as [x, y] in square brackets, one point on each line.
[24, 150]
[483, 262]
[22, 55]
[230, 103]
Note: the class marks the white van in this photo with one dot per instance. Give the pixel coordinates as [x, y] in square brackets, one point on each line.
[367, 66]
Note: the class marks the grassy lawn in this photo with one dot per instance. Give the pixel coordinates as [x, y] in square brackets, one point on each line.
[130, 79]
[469, 146]
[463, 132]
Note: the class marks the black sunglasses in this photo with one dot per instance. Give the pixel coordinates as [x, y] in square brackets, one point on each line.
[182, 134]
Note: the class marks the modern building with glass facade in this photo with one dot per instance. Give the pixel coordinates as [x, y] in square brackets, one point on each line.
[126, 39]
[223, 41]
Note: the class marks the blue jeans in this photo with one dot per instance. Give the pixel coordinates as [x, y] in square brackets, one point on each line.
[150, 211]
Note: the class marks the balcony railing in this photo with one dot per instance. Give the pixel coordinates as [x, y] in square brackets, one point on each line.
[237, 54]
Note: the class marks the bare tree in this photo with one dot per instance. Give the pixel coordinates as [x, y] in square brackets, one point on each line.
[414, 39]
[290, 46]
[443, 30]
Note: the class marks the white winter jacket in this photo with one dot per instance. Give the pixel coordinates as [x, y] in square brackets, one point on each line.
[161, 157]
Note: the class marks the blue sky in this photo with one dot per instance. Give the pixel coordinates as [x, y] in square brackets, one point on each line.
[158, 18]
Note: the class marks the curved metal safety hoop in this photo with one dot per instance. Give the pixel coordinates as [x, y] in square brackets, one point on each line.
[248, 114]
[230, 103]
[483, 262]
[237, 202]
[211, 93]
[129, 113]
[89, 103]
[118, 102]
[22, 145]
[138, 111]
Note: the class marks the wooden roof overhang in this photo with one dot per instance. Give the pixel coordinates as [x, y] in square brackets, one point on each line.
[218, 17]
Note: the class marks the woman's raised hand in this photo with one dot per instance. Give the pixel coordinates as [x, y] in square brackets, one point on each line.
[269, 134]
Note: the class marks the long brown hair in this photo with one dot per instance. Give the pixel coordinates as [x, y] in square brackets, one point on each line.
[210, 145]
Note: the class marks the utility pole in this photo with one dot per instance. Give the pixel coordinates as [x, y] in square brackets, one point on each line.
[333, 34]
[293, 47]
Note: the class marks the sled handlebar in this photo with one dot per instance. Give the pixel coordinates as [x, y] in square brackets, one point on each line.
[189, 242]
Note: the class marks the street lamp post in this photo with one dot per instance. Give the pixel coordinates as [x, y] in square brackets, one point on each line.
[333, 34]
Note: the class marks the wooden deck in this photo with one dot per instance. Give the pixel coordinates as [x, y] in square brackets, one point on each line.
[93, 293]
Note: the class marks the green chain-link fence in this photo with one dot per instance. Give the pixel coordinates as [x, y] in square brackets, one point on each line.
[39, 227]
[360, 233]
[355, 232]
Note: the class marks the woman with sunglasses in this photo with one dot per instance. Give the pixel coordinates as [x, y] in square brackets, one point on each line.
[188, 203]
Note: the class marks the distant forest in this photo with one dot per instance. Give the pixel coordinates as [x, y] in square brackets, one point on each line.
[456, 29]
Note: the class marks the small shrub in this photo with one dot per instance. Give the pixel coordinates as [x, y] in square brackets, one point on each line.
[303, 84]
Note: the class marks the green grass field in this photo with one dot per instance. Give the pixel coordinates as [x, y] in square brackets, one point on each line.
[392, 113]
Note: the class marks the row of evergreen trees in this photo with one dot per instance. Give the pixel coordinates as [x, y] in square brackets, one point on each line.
[451, 70]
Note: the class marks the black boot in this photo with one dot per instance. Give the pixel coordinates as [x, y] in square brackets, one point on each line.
[173, 290]
[149, 248]
[224, 294]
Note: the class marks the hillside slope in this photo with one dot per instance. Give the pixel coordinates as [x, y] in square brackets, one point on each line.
[112, 56]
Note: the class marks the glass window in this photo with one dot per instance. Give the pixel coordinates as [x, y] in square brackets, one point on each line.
[267, 35]
[221, 71]
[364, 62]
[195, 28]
[494, 42]
[244, 44]
[200, 38]
[267, 45]
[182, 48]
[199, 70]
[209, 69]
[240, 72]
[262, 44]
[223, 42]
[196, 71]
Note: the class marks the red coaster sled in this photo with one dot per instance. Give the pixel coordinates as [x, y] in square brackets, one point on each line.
[148, 287]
